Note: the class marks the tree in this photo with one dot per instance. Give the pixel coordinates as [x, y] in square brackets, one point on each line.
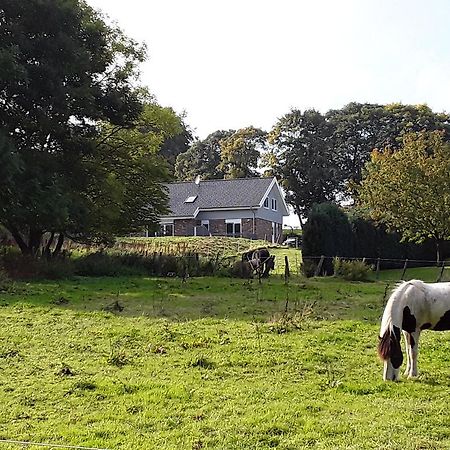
[361, 127]
[409, 189]
[202, 158]
[177, 144]
[126, 172]
[239, 153]
[62, 70]
[305, 161]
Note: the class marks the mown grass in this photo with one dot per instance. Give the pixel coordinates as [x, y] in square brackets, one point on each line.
[142, 363]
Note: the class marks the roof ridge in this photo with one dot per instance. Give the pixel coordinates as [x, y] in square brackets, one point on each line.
[221, 179]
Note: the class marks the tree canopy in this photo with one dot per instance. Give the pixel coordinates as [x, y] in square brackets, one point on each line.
[304, 160]
[409, 189]
[223, 154]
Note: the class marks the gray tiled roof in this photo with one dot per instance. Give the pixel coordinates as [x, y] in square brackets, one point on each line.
[225, 194]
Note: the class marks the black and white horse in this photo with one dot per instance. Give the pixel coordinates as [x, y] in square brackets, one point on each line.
[412, 307]
[260, 261]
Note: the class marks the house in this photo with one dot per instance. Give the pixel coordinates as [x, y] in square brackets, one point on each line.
[245, 207]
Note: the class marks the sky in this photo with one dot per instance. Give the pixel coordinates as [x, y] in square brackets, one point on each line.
[235, 63]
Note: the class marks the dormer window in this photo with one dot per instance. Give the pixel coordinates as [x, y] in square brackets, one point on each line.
[266, 203]
[191, 199]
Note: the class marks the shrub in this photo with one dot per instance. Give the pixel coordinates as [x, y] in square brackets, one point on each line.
[98, 264]
[355, 270]
[5, 281]
[308, 266]
[327, 232]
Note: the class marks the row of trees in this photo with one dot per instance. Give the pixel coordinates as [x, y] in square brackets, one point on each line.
[318, 157]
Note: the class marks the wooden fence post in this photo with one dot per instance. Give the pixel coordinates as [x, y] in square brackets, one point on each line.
[404, 269]
[319, 266]
[378, 268]
[286, 269]
[442, 271]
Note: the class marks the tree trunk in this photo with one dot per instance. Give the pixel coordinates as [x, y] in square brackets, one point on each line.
[438, 251]
[59, 245]
[34, 241]
[47, 252]
[297, 211]
[19, 240]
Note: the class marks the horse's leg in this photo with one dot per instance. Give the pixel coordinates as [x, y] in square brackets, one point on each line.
[414, 349]
[408, 352]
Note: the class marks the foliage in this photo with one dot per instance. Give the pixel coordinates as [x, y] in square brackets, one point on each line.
[351, 270]
[319, 158]
[223, 154]
[202, 158]
[210, 347]
[62, 70]
[409, 190]
[126, 172]
[304, 160]
[239, 153]
[360, 128]
[327, 232]
[176, 144]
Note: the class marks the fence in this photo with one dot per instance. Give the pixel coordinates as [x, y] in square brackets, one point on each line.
[398, 268]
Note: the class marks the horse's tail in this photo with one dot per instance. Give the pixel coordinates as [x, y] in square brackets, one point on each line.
[391, 325]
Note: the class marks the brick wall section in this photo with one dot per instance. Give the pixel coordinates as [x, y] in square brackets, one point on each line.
[263, 229]
[217, 227]
[184, 227]
[247, 227]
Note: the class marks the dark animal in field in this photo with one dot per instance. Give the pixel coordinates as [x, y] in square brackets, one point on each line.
[260, 262]
[412, 307]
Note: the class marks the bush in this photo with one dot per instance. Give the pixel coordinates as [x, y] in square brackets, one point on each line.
[355, 270]
[99, 264]
[5, 281]
[327, 232]
[308, 266]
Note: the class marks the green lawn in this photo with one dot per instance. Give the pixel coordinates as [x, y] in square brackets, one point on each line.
[211, 363]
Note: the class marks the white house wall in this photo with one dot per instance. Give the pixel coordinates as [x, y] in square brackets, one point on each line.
[269, 214]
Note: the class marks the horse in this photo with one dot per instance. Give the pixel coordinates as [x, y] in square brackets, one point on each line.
[260, 261]
[413, 306]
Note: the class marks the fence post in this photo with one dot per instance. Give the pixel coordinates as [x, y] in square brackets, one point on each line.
[442, 271]
[378, 268]
[404, 269]
[286, 269]
[319, 266]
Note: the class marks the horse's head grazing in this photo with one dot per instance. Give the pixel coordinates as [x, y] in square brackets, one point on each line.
[390, 352]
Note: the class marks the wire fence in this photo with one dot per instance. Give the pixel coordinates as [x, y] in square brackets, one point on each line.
[382, 268]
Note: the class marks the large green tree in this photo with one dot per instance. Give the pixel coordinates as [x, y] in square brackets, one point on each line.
[409, 189]
[303, 159]
[240, 152]
[361, 127]
[202, 158]
[62, 70]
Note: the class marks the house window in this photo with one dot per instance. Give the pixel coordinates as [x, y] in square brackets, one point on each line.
[233, 227]
[205, 223]
[166, 229]
[274, 204]
[191, 199]
[266, 203]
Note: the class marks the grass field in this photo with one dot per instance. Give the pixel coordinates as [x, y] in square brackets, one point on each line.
[140, 363]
